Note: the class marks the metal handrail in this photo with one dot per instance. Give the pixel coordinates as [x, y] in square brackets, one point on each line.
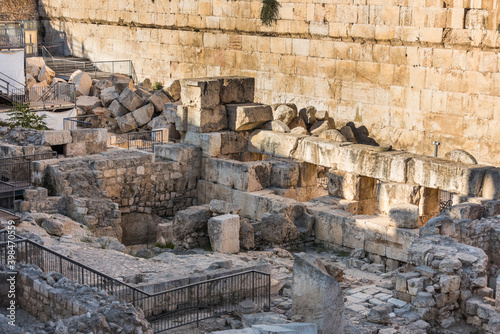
[11, 78]
[63, 60]
[131, 71]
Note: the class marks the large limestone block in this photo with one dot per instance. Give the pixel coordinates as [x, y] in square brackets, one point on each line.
[182, 153]
[144, 114]
[201, 93]
[130, 100]
[296, 123]
[190, 220]
[117, 109]
[94, 140]
[328, 226]
[82, 81]
[181, 118]
[404, 216]
[391, 194]
[158, 99]
[285, 113]
[237, 89]
[317, 151]
[317, 296]
[224, 233]
[276, 228]
[277, 126]
[127, 123]
[108, 95]
[248, 116]
[233, 142]
[206, 119]
[56, 137]
[321, 126]
[35, 61]
[88, 103]
[32, 70]
[173, 89]
[491, 183]
[274, 143]
[333, 135]
[170, 111]
[308, 114]
[121, 83]
[285, 174]
[46, 74]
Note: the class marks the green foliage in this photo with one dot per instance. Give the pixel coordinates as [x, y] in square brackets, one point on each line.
[23, 116]
[269, 12]
[168, 244]
[157, 85]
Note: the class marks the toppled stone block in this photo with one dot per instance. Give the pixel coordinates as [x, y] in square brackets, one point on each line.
[321, 126]
[466, 211]
[177, 152]
[404, 216]
[181, 118]
[53, 227]
[173, 89]
[130, 100]
[88, 103]
[170, 111]
[144, 114]
[82, 81]
[333, 135]
[248, 116]
[159, 99]
[120, 83]
[56, 137]
[277, 126]
[285, 113]
[247, 239]
[224, 233]
[273, 143]
[190, 220]
[108, 95]
[47, 74]
[491, 184]
[127, 123]
[117, 110]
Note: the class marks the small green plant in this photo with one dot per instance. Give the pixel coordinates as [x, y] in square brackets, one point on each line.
[23, 116]
[269, 12]
[105, 243]
[168, 244]
[157, 85]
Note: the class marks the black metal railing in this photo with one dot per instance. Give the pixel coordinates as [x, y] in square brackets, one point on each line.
[81, 122]
[11, 37]
[144, 141]
[445, 200]
[16, 171]
[165, 310]
[7, 196]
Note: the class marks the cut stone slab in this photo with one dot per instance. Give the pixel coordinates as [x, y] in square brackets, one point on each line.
[206, 119]
[130, 100]
[308, 114]
[82, 81]
[144, 114]
[158, 99]
[117, 109]
[127, 123]
[201, 93]
[56, 137]
[248, 116]
[53, 227]
[224, 233]
[88, 103]
[404, 216]
[173, 89]
[223, 207]
[236, 89]
[108, 95]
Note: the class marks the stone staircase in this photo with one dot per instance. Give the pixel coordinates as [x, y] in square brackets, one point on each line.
[65, 66]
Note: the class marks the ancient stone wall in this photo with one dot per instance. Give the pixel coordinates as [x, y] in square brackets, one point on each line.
[13, 10]
[412, 72]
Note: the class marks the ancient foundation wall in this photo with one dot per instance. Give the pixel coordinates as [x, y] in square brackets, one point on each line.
[412, 72]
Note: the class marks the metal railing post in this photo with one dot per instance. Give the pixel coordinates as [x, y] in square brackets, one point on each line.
[197, 305]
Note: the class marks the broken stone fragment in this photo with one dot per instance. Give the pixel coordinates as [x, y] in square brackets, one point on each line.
[461, 156]
[130, 100]
[348, 134]
[333, 135]
[321, 126]
[224, 233]
[297, 122]
[300, 131]
[308, 114]
[173, 89]
[190, 220]
[82, 81]
[88, 103]
[108, 95]
[276, 228]
[144, 114]
[53, 227]
[284, 113]
[404, 216]
[247, 236]
[276, 126]
[158, 99]
[117, 110]
[127, 123]
[248, 116]
[120, 83]
[47, 74]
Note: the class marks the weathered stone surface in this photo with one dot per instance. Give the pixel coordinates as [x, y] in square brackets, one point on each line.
[32, 70]
[206, 119]
[317, 296]
[285, 113]
[423, 299]
[222, 207]
[308, 114]
[53, 227]
[88, 103]
[117, 109]
[127, 123]
[120, 83]
[105, 112]
[461, 156]
[129, 99]
[276, 126]
[321, 126]
[466, 211]
[237, 89]
[404, 215]
[201, 93]
[299, 131]
[348, 134]
[224, 233]
[108, 95]
[247, 240]
[47, 74]
[321, 115]
[273, 143]
[277, 228]
[139, 228]
[333, 135]
[170, 111]
[144, 114]
[190, 220]
[82, 81]
[248, 116]
[158, 99]
[380, 314]
[297, 122]
[56, 137]
[35, 61]
[159, 123]
[173, 89]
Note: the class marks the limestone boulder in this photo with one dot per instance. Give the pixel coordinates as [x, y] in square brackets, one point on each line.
[321, 115]
[102, 84]
[190, 220]
[53, 227]
[143, 92]
[46, 74]
[30, 81]
[321, 126]
[276, 228]
[108, 95]
[32, 70]
[144, 114]
[333, 135]
[88, 103]
[248, 116]
[247, 237]
[206, 119]
[159, 123]
[348, 134]
[35, 61]
[100, 111]
[277, 126]
[120, 83]
[173, 89]
[224, 233]
[130, 100]
[285, 113]
[82, 81]
[461, 156]
[126, 123]
[158, 99]
[308, 114]
[117, 110]
[297, 122]
[170, 111]
[218, 206]
[300, 131]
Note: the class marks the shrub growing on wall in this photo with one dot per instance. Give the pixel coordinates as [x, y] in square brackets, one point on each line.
[269, 12]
